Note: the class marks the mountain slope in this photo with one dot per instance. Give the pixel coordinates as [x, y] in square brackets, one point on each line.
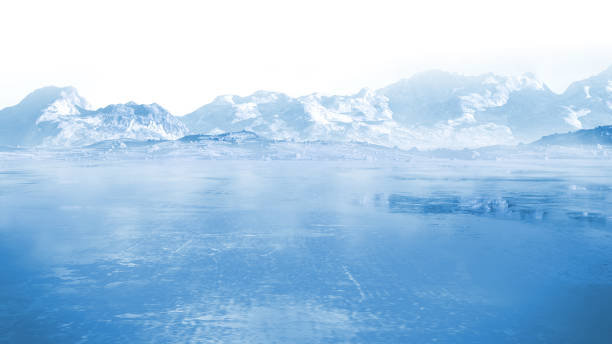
[30, 121]
[597, 136]
[474, 103]
[588, 103]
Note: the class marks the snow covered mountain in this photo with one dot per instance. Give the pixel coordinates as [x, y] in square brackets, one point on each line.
[30, 121]
[429, 110]
[60, 117]
[120, 121]
[484, 110]
[270, 114]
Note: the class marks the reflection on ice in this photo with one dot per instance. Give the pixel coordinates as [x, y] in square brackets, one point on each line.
[180, 249]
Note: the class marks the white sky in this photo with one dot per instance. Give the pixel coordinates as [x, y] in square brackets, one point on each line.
[181, 54]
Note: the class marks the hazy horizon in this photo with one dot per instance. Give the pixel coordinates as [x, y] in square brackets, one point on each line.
[348, 93]
[183, 55]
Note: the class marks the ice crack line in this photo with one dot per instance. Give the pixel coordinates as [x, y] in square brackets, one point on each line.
[350, 277]
[183, 246]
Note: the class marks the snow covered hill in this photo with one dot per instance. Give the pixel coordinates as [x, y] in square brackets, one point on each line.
[60, 117]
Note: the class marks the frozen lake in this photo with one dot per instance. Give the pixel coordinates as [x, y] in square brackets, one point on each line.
[180, 249]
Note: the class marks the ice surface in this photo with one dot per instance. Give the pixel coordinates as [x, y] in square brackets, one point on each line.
[236, 239]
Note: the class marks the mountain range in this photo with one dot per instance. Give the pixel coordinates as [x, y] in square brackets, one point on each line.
[430, 110]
